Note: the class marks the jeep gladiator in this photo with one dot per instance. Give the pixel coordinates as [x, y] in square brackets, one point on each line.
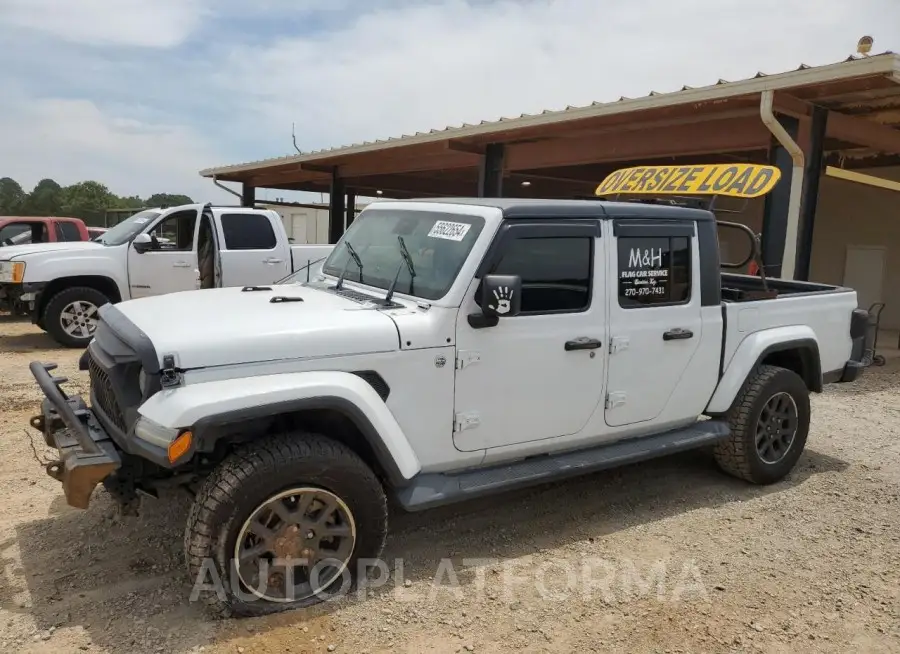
[449, 349]
[156, 251]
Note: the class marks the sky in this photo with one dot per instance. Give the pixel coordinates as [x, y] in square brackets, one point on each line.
[142, 94]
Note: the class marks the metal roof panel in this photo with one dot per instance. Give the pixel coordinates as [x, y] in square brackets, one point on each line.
[886, 63]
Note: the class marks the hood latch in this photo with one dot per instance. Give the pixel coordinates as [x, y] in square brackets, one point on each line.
[170, 376]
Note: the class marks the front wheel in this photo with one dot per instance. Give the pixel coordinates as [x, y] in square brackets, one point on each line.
[71, 315]
[769, 425]
[283, 523]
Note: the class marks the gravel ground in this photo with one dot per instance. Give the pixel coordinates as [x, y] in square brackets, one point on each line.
[668, 556]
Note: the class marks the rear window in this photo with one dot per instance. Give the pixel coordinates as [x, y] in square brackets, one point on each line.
[248, 231]
[67, 231]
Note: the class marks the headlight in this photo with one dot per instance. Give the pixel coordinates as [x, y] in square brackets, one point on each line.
[154, 433]
[12, 272]
[142, 382]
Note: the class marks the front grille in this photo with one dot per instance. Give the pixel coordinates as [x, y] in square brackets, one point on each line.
[102, 389]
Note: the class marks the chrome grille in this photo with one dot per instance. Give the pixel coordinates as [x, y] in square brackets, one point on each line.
[102, 390]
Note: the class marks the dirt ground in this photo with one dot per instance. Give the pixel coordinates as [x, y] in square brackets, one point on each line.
[668, 556]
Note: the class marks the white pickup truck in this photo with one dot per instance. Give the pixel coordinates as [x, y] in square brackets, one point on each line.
[62, 285]
[448, 349]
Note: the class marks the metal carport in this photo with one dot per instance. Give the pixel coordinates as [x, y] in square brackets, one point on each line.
[843, 115]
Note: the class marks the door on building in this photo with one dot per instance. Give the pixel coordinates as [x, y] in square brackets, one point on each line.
[864, 273]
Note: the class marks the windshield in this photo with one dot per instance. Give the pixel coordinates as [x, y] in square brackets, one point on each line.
[128, 228]
[438, 245]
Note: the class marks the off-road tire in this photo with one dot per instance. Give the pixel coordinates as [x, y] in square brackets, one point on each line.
[256, 472]
[738, 455]
[50, 317]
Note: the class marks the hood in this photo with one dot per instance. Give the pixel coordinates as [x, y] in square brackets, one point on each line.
[216, 327]
[8, 252]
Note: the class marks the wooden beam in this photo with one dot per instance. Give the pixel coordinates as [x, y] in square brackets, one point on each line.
[863, 132]
[272, 180]
[861, 178]
[410, 163]
[688, 140]
[791, 106]
[463, 146]
[316, 168]
[415, 185]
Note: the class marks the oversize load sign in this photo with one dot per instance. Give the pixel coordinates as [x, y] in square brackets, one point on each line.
[735, 180]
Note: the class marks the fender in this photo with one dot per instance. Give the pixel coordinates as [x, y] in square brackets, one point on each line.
[752, 350]
[200, 406]
[94, 261]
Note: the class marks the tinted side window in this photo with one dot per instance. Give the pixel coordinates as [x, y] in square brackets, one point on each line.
[248, 231]
[555, 272]
[66, 231]
[654, 270]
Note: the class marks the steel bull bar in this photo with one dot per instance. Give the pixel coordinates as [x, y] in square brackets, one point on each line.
[87, 453]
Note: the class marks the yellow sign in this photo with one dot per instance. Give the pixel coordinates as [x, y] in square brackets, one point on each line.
[734, 180]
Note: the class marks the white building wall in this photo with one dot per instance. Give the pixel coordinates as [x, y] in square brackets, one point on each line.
[304, 225]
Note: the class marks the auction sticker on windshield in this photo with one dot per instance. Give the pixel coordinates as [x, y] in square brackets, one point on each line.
[449, 231]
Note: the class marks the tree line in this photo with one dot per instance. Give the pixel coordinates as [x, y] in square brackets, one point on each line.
[89, 200]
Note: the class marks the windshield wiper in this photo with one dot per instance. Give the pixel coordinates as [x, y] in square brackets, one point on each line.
[356, 259]
[407, 259]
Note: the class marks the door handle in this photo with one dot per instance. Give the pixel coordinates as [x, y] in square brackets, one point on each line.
[583, 343]
[678, 334]
[181, 264]
[273, 260]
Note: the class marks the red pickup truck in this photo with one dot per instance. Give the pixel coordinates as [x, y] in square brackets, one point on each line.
[19, 230]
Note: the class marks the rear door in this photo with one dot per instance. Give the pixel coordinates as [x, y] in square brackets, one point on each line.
[655, 318]
[251, 251]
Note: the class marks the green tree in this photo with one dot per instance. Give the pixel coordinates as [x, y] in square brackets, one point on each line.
[46, 199]
[88, 201]
[12, 197]
[167, 200]
[131, 202]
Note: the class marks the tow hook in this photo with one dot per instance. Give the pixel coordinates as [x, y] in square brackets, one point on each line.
[55, 470]
[37, 422]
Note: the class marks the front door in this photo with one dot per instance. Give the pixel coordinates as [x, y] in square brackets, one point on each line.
[517, 381]
[171, 265]
[655, 318]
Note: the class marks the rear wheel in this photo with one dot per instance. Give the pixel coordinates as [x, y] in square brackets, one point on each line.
[769, 426]
[71, 315]
[282, 524]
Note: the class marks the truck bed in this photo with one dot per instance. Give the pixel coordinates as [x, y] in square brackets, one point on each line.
[821, 310]
[747, 288]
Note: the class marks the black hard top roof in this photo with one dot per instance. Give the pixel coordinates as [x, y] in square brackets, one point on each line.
[537, 208]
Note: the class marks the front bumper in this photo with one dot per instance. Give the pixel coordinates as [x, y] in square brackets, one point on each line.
[87, 454]
[21, 298]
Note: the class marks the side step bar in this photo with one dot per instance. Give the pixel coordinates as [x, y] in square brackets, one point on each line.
[434, 489]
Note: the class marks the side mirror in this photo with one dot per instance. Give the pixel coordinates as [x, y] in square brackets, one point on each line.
[501, 297]
[142, 243]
